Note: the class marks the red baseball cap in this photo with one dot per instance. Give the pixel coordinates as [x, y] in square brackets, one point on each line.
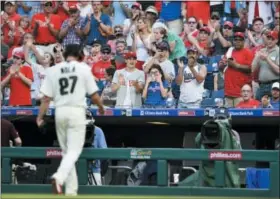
[129, 55]
[19, 54]
[273, 34]
[73, 7]
[136, 4]
[228, 23]
[206, 29]
[239, 34]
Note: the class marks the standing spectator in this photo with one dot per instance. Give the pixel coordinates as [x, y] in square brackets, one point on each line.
[161, 58]
[121, 11]
[118, 35]
[277, 21]
[20, 78]
[191, 79]
[18, 33]
[231, 10]
[151, 14]
[129, 25]
[71, 29]
[141, 41]
[121, 48]
[61, 8]
[129, 83]
[255, 37]
[262, 9]
[267, 62]
[85, 8]
[98, 69]
[98, 25]
[198, 9]
[247, 100]
[108, 97]
[170, 12]
[9, 20]
[275, 92]
[190, 26]
[156, 88]
[28, 8]
[93, 54]
[8, 132]
[238, 70]
[46, 27]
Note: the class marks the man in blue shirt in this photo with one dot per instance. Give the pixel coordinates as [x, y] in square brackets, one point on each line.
[275, 92]
[98, 25]
[99, 142]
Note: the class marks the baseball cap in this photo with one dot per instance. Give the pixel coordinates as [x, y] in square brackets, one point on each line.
[192, 49]
[152, 9]
[257, 19]
[275, 85]
[129, 55]
[11, 2]
[239, 34]
[73, 8]
[136, 4]
[163, 46]
[19, 54]
[96, 41]
[228, 23]
[205, 29]
[106, 49]
[273, 34]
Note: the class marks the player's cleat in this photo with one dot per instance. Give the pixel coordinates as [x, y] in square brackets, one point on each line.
[57, 189]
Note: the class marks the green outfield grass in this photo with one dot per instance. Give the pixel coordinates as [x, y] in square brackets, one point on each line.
[35, 196]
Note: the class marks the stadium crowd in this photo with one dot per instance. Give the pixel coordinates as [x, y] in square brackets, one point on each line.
[162, 54]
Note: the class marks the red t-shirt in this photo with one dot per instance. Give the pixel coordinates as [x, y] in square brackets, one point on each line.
[98, 69]
[15, 19]
[198, 9]
[20, 94]
[252, 103]
[61, 12]
[44, 35]
[186, 42]
[235, 79]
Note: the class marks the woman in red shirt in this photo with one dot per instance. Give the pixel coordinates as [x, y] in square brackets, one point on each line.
[20, 78]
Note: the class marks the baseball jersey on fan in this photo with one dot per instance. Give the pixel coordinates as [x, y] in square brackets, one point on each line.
[68, 83]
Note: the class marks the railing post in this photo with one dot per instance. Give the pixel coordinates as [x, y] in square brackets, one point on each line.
[82, 169]
[6, 171]
[274, 179]
[219, 173]
[162, 173]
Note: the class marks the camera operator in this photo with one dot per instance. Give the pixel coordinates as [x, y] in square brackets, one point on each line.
[98, 141]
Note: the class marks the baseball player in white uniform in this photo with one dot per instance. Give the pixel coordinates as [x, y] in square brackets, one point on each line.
[67, 84]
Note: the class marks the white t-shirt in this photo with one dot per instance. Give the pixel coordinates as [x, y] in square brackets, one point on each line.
[39, 73]
[141, 50]
[68, 83]
[84, 11]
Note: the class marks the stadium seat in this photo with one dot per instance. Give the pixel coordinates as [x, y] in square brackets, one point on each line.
[218, 94]
[207, 102]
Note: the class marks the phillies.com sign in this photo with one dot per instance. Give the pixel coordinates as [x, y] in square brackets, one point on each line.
[53, 153]
[225, 155]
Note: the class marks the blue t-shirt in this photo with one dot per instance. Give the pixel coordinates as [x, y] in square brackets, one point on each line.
[32, 4]
[170, 10]
[154, 97]
[94, 33]
[119, 15]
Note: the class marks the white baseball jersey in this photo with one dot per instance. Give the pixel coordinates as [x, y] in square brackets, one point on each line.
[68, 83]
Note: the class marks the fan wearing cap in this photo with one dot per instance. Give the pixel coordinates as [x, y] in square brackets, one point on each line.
[223, 40]
[98, 69]
[98, 25]
[275, 93]
[62, 8]
[129, 83]
[191, 80]
[45, 27]
[9, 19]
[266, 62]
[152, 14]
[71, 29]
[20, 78]
[161, 58]
[238, 70]
[201, 43]
[93, 53]
[255, 36]
[129, 25]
